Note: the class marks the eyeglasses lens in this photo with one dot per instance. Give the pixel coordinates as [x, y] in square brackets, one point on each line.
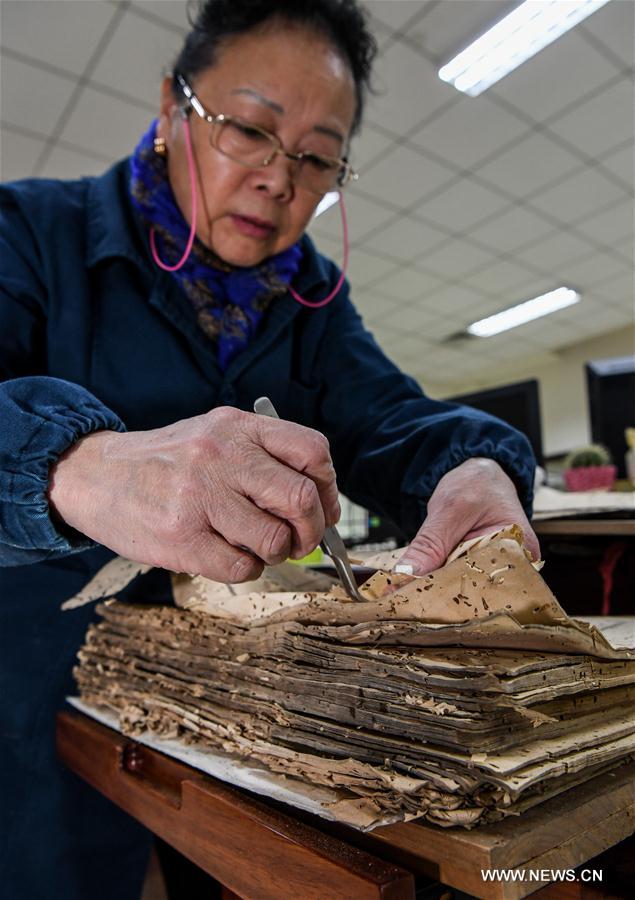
[254, 148]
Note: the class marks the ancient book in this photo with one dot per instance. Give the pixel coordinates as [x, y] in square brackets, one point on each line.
[463, 696]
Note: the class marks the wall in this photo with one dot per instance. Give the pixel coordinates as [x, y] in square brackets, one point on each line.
[565, 418]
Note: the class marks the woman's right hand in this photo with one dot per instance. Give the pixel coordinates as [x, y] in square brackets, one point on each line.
[196, 495]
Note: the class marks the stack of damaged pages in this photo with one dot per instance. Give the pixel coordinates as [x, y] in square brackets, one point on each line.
[463, 696]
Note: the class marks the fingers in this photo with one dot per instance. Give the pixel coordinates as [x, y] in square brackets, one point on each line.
[211, 556]
[305, 451]
[289, 497]
[475, 498]
[433, 544]
[244, 524]
[531, 541]
[430, 547]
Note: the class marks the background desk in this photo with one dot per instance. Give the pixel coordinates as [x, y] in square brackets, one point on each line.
[604, 527]
[590, 563]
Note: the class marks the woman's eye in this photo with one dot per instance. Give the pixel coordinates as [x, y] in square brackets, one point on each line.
[318, 162]
[247, 131]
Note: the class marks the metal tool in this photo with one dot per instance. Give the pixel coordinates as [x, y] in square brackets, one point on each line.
[332, 544]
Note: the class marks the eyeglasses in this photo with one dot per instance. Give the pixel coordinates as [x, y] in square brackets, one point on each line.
[255, 147]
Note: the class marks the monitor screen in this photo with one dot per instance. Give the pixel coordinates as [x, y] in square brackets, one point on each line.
[517, 404]
[611, 395]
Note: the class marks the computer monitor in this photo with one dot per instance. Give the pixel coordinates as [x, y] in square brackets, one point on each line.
[611, 396]
[517, 404]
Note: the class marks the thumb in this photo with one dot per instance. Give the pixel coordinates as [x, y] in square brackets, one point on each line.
[429, 549]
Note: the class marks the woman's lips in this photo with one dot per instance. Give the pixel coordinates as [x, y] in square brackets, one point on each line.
[252, 227]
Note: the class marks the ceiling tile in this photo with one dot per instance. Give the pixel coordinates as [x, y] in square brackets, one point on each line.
[627, 307]
[408, 283]
[173, 12]
[404, 175]
[63, 33]
[18, 155]
[499, 277]
[364, 268]
[614, 25]
[399, 343]
[105, 125]
[621, 163]
[557, 248]
[619, 291]
[472, 129]
[456, 258]
[415, 321]
[604, 319]
[478, 308]
[560, 74]
[64, 163]
[451, 361]
[392, 13]
[531, 286]
[512, 230]
[148, 50]
[625, 247]
[578, 196]
[454, 301]
[405, 240]
[461, 205]
[31, 96]
[601, 122]
[543, 333]
[529, 165]
[425, 321]
[408, 89]
[592, 269]
[329, 244]
[366, 147]
[610, 226]
[373, 304]
[361, 215]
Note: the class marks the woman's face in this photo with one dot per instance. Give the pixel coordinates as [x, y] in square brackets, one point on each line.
[291, 82]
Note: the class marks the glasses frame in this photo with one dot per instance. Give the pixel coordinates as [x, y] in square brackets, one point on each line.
[345, 175]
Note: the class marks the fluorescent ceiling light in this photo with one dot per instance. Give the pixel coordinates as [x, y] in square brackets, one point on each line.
[326, 202]
[526, 30]
[524, 312]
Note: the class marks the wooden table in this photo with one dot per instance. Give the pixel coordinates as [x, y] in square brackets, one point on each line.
[260, 850]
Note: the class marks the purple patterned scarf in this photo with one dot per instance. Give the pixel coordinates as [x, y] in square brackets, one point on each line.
[229, 301]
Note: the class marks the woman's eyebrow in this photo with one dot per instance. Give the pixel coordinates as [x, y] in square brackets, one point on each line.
[276, 107]
[270, 103]
[331, 132]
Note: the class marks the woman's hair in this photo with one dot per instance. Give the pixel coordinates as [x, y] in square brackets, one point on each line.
[342, 22]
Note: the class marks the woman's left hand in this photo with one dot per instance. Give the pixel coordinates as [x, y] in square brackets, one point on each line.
[475, 498]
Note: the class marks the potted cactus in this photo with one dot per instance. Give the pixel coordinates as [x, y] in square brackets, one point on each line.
[589, 469]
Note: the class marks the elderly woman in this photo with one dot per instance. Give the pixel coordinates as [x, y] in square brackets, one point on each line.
[141, 314]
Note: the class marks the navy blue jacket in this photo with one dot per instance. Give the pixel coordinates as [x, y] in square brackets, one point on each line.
[93, 336]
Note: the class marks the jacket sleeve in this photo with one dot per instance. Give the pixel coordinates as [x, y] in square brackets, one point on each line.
[40, 416]
[390, 443]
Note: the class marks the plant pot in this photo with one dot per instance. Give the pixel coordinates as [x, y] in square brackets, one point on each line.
[590, 478]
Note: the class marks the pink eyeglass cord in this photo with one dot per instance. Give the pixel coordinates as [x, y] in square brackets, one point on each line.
[190, 241]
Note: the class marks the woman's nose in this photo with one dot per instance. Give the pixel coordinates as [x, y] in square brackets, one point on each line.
[277, 177]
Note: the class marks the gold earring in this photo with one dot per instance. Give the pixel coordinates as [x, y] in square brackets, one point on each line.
[160, 146]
